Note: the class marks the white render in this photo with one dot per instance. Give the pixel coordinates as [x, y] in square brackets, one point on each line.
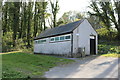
[63, 47]
[81, 39]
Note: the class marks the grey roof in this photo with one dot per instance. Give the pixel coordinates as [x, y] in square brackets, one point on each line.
[67, 28]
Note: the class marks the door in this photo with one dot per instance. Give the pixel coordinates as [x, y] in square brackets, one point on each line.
[92, 45]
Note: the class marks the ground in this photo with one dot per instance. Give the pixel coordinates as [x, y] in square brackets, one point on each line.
[89, 67]
[24, 65]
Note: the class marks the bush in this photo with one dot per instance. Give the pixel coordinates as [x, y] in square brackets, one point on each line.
[7, 44]
[108, 47]
[104, 34]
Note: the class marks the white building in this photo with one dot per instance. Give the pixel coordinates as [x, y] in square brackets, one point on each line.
[70, 40]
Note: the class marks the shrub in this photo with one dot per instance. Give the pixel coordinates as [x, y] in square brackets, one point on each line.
[105, 34]
[108, 47]
[7, 43]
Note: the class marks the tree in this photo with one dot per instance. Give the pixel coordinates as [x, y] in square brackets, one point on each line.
[14, 12]
[108, 12]
[4, 17]
[22, 21]
[70, 16]
[30, 7]
[35, 20]
[54, 10]
[95, 22]
[0, 27]
[43, 13]
[40, 16]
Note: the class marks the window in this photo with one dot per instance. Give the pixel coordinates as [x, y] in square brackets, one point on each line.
[56, 38]
[36, 42]
[42, 41]
[61, 38]
[52, 39]
[39, 41]
[67, 37]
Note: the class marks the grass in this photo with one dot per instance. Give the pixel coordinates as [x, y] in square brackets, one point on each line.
[11, 52]
[23, 65]
[111, 55]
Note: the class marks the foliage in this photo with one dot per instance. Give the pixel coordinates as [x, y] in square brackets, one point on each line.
[7, 41]
[23, 65]
[22, 21]
[94, 21]
[54, 10]
[105, 47]
[108, 13]
[105, 34]
[7, 44]
[111, 55]
[69, 16]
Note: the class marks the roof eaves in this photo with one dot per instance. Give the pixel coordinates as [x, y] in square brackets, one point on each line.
[60, 33]
[53, 35]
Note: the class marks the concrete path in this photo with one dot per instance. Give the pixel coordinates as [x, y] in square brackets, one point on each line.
[89, 67]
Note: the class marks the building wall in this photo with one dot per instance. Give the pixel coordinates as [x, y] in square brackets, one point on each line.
[75, 40]
[61, 47]
[81, 37]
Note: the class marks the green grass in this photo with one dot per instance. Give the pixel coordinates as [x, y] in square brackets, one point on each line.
[23, 65]
[111, 55]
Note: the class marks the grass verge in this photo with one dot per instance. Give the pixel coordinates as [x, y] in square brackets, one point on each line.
[111, 55]
[23, 65]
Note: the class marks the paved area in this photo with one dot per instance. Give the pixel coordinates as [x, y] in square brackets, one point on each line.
[89, 67]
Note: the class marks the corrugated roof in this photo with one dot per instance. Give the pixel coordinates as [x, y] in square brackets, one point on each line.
[59, 30]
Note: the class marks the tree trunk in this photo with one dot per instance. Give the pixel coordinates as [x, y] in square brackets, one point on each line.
[35, 22]
[54, 20]
[5, 20]
[29, 25]
[15, 22]
[14, 30]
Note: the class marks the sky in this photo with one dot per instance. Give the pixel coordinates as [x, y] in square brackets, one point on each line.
[73, 5]
[69, 5]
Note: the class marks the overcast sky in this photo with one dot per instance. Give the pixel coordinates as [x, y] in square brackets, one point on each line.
[73, 5]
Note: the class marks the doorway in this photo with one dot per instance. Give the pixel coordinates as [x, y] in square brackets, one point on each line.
[92, 45]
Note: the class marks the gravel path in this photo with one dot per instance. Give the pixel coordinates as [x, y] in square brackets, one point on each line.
[89, 67]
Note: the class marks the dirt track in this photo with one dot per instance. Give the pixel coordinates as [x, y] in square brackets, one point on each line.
[89, 67]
